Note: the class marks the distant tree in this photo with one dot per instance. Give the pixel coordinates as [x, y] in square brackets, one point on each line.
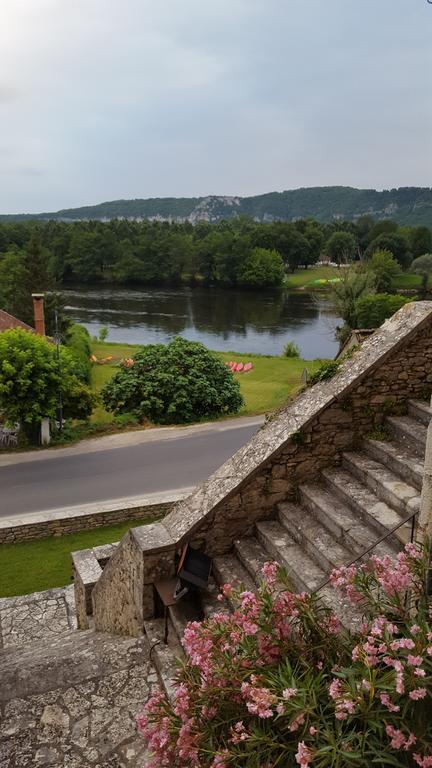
[395, 243]
[371, 311]
[384, 227]
[354, 285]
[15, 297]
[385, 267]
[29, 271]
[420, 241]
[31, 380]
[85, 257]
[313, 232]
[173, 384]
[297, 249]
[341, 247]
[262, 268]
[423, 266]
[364, 224]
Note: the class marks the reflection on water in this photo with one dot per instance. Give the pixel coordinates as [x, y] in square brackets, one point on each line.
[244, 321]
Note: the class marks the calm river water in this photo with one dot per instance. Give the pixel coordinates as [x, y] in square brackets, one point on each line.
[226, 320]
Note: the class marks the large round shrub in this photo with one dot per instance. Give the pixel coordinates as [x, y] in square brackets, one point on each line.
[173, 384]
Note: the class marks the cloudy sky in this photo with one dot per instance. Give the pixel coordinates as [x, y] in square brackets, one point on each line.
[108, 99]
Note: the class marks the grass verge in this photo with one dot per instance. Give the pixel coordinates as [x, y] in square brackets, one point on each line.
[33, 566]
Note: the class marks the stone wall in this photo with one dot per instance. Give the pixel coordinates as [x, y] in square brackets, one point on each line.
[84, 517]
[392, 366]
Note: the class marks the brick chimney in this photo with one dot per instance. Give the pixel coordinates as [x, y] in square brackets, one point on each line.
[39, 317]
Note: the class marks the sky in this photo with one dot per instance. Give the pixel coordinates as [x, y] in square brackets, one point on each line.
[109, 99]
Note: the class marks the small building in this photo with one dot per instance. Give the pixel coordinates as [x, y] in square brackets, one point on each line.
[8, 322]
[356, 338]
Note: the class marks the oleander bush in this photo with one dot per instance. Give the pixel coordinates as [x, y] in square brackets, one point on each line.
[279, 682]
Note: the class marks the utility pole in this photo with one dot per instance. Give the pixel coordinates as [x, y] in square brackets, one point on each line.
[57, 343]
[424, 531]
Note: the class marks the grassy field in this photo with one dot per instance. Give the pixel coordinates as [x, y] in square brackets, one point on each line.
[407, 280]
[37, 565]
[265, 388]
[304, 278]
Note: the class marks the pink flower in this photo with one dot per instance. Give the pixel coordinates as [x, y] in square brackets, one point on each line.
[386, 701]
[219, 760]
[259, 701]
[288, 693]
[313, 730]
[238, 733]
[335, 689]
[414, 661]
[270, 572]
[396, 736]
[297, 722]
[413, 551]
[418, 693]
[303, 755]
[423, 762]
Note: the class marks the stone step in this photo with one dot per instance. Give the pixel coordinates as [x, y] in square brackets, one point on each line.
[384, 483]
[420, 410]
[341, 521]
[165, 657]
[409, 432]
[66, 660]
[318, 542]
[303, 572]
[227, 569]
[180, 614]
[397, 457]
[377, 514]
[209, 600]
[253, 556]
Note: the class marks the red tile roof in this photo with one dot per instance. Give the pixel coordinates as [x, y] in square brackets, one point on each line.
[7, 322]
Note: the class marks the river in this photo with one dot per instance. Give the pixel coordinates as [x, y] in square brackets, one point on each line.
[244, 321]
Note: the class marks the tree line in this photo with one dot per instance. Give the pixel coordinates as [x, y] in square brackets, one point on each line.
[37, 256]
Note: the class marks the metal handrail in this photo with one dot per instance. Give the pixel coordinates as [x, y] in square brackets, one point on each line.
[411, 518]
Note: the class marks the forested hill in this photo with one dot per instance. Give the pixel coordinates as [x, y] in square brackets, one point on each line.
[406, 205]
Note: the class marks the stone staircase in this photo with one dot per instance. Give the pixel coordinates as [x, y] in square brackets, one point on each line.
[68, 697]
[339, 515]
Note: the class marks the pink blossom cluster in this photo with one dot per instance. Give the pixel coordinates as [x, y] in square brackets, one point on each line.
[304, 755]
[259, 700]
[243, 674]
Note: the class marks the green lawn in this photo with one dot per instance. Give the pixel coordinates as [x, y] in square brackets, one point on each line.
[265, 388]
[36, 565]
[407, 280]
[304, 278]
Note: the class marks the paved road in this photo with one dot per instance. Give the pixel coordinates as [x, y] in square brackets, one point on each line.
[176, 459]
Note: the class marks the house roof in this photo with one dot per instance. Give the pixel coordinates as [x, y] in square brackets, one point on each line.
[358, 336]
[7, 322]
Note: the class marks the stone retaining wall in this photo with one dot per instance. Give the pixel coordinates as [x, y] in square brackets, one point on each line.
[392, 366]
[85, 517]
